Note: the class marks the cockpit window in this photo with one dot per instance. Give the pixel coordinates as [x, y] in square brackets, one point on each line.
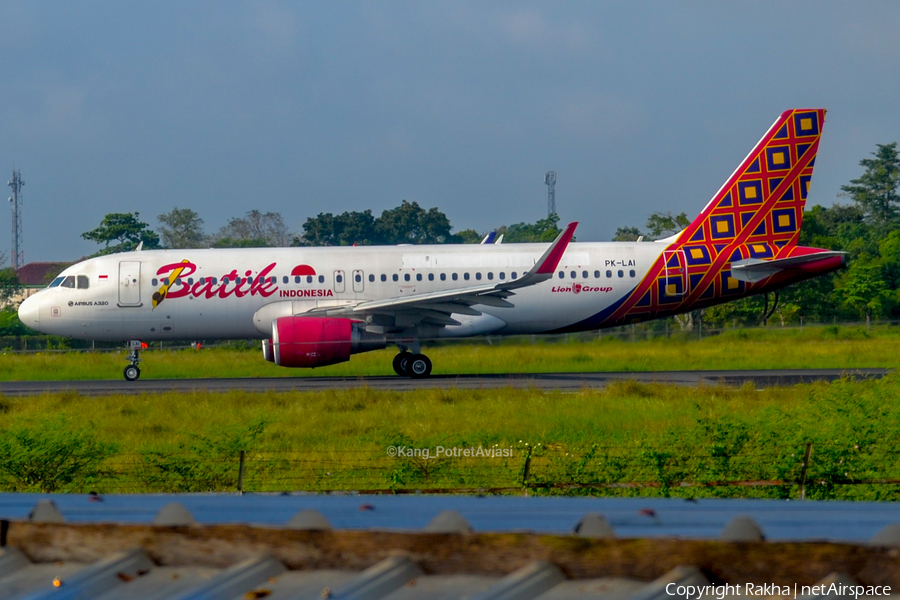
[68, 282]
[83, 282]
[56, 282]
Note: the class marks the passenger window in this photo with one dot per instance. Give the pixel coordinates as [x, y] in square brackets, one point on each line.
[59, 280]
[406, 277]
[596, 274]
[321, 279]
[225, 281]
[431, 277]
[309, 279]
[285, 280]
[621, 273]
[562, 274]
[178, 280]
[443, 277]
[418, 277]
[83, 282]
[584, 274]
[609, 274]
[153, 282]
[454, 277]
[573, 274]
[203, 280]
[339, 278]
[466, 276]
[190, 281]
[215, 280]
[395, 278]
[478, 276]
[371, 278]
[631, 273]
[502, 275]
[69, 282]
[490, 275]
[383, 277]
[358, 278]
[513, 275]
[273, 280]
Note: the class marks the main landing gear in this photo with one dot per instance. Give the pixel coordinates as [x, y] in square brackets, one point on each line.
[132, 372]
[408, 364]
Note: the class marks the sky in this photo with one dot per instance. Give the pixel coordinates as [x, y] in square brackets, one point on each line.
[309, 107]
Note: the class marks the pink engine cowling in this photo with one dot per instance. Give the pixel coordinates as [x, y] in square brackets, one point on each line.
[308, 342]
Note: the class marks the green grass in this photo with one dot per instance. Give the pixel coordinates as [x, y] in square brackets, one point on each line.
[339, 440]
[815, 347]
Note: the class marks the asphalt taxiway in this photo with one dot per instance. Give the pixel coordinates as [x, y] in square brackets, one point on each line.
[540, 381]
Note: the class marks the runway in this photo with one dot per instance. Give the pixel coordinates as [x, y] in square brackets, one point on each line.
[541, 381]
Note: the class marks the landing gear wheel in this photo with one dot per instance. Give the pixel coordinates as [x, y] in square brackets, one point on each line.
[400, 363]
[132, 373]
[418, 366]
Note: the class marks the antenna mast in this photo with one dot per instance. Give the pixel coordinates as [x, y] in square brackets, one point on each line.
[17, 257]
[550, 181]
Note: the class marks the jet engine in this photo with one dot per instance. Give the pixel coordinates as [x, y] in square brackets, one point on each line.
[316, 341]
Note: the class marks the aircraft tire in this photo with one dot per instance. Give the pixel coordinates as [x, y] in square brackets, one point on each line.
[132, 373]
[400, 363]
[418, 366]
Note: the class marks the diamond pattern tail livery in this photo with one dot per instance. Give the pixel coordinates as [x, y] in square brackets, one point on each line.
[752, 224]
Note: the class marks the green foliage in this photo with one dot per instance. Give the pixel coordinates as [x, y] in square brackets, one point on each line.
[659, 225]
[10, 323]
[206, 463]
[9, 285]
[469, 236]
[51, 454]
[409, 223]
[544, 230]
[255, 230]
[627, 234]
[875, 191]
[182, 228]
[122, 232]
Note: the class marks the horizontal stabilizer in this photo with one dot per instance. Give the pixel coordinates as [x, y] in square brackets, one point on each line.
[752, 270]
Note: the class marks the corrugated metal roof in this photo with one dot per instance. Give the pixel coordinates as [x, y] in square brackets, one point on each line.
[44, 557]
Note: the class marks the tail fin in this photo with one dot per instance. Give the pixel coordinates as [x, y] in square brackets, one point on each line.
[763, 200]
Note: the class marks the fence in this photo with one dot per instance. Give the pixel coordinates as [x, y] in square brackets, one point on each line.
[661, 329]
[791, 471]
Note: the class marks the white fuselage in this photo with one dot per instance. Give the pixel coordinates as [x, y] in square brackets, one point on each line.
[212, 299]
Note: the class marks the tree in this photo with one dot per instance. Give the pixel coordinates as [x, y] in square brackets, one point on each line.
[346, 229]
[9, 285]
[409, 223]
[126, 229]
[182, 228]
[876, 190]
[544, 230]
[661, 225]
[864, 289]
[627, 234]
[470, 236]
[255, 230]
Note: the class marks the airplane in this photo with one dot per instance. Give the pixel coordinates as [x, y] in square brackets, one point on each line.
[313, 307]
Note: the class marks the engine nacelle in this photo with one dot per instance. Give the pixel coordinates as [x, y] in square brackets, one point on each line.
[318, 341]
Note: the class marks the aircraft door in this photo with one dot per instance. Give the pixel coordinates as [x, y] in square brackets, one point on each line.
[129, 283]
[339, 283]
[675, 267]
[358, 281]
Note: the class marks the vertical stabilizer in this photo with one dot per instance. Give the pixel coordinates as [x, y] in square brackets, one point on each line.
[763, 199]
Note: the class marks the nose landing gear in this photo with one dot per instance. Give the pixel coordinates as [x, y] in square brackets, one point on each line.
[132, 372]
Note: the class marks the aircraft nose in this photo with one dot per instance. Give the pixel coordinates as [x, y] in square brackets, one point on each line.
[29, 312]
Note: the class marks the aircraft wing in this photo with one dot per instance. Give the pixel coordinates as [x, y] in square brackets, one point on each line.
[756, 269]
[436, 307]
